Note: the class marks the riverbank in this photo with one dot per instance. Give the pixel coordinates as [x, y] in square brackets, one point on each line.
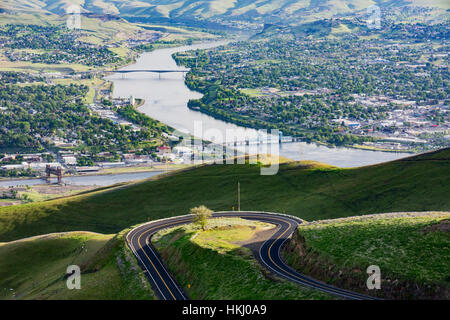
[110, 171]
[86, 180]
[370, 148]
[36, 193]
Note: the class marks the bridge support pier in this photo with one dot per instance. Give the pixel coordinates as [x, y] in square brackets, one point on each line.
[57, 172]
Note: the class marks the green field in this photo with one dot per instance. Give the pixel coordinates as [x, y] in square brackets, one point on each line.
[212, 264]
[411, 249]
[253, 92]
[311, 192]
[35, 268]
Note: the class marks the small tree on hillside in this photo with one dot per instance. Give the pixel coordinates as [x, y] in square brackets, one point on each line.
[201, 215]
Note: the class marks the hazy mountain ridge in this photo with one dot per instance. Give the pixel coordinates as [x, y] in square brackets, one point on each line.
[292, 11]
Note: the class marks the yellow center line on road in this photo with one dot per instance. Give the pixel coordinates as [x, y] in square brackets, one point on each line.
[241, 216]
[148, 258]
[288, 271]
[171, 223]
[155, 267]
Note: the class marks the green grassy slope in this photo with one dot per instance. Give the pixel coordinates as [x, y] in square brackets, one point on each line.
[412, 251]
[211, 265]
[414, 184]
[35, 268]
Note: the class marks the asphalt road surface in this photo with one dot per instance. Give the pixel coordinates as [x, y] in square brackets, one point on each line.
[269, 254]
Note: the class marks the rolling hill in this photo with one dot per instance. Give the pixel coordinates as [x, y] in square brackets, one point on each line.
[306, 190]
[291, 11]
[411, 249]
[108, 267]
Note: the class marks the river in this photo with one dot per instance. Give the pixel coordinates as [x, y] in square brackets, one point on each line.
[88, 180]
[166, 99]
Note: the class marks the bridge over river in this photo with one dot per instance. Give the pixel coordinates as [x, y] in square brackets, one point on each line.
[123, 72]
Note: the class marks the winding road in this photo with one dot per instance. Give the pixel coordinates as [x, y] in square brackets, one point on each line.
[139, 240]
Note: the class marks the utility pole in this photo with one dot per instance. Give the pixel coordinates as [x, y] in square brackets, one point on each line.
[239, 196]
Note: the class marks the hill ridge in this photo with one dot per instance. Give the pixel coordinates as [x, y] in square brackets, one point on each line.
[309, 193]
[245, 10]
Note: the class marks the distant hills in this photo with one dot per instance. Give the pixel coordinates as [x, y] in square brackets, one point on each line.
[254, 11]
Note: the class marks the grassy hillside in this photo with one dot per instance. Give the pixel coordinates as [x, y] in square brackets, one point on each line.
[35, 268]
[418, 183]
[191, 254]
[411, 249]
